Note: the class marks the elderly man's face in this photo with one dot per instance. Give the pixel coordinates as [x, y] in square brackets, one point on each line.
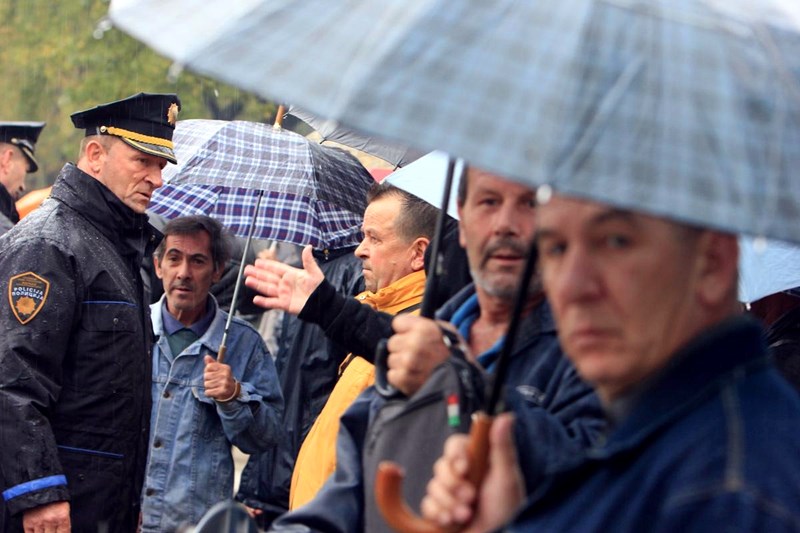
[496, 228]
[622, 287]
[131, 175]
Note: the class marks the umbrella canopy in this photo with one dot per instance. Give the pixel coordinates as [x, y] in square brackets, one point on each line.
[330, 130]
[312, 194]
[683, 108]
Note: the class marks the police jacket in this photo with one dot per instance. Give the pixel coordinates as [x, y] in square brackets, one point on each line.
[75, 365]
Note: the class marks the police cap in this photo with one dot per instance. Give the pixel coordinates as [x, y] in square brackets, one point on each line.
[23, 135]
[144, 121]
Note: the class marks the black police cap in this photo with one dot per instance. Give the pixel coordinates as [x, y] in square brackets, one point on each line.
[144, 121]
[24, 136]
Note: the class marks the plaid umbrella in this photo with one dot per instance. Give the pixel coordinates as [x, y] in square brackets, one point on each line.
[312, 194]
[683, 108]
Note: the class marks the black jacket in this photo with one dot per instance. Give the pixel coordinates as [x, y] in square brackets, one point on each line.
[75, 365]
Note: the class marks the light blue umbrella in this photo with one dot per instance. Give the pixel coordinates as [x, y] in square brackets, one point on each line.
[683, 108]
[766, 267]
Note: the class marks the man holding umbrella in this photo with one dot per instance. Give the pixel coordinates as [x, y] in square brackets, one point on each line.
[704, 431]
[75, 333]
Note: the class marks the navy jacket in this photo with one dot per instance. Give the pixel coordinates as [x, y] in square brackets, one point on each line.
[712, 445]
[75, 361]
[560, 415]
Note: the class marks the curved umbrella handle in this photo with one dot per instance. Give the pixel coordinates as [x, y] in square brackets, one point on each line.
[389, 483]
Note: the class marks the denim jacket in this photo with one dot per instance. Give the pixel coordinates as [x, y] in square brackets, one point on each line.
[190, 466]
[711, 444]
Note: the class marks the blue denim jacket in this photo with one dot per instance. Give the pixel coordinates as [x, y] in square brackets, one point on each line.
[712, 444]
[190, 466]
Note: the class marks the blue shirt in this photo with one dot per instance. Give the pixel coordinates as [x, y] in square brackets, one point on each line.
[190, 465]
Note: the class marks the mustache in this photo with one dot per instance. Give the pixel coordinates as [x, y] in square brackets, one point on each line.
[506, 244]
[182, 285]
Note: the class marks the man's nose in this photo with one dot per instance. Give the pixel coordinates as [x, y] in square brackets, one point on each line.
[155, 178]
[576, 278]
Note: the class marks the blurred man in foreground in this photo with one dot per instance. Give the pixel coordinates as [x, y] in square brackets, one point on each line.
[704, 432]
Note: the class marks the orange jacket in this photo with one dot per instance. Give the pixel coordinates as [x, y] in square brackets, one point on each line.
[316, 460]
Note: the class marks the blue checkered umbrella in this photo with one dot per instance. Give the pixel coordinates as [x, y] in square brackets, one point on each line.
[312, 194]
[684, 108]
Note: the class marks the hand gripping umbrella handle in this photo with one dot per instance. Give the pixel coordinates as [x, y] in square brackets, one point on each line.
[389, 483]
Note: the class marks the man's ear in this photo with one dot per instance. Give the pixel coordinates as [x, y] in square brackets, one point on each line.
[418, 248]
[217, 275]
[718, 267]
[93, 155]
[157, 265]
[5, 158]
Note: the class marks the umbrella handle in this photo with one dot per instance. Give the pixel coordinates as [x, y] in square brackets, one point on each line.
[221, 353]
[389, 483]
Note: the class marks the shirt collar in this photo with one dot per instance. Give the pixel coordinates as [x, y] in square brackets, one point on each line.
[172, 324]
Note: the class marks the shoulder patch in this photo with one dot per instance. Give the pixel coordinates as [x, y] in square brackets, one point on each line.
[27, 294]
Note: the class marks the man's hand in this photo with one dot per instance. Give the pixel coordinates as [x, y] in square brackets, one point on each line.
[49, 518]
[218, 380]
[453, 501]
[282, 286]
[415, 350]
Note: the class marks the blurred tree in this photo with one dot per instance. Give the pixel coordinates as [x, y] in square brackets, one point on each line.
[61, 57]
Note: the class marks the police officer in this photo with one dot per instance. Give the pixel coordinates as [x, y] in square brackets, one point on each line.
[75, 333]
[17, 144]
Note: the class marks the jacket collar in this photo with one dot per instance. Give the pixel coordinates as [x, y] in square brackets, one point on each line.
[727, 351]
[129, 231]
[211, 339]
[403, 293]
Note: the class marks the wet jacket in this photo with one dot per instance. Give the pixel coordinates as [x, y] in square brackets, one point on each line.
[190, 467]
[561, 414]
[75, 361]
[317, 458]
[712, 444]
[307, 363]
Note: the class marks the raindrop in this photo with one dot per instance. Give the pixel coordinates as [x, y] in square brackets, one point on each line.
[760, 244]
[174, 72]
[543, 194]
[216, 92]
[98, 33]
[105, 24]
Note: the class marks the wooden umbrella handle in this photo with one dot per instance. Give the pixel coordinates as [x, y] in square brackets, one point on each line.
[389, 483]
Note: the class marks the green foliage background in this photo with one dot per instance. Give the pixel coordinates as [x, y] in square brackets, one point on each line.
[62, 56]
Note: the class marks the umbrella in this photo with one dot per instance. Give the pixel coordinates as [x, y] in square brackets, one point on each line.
[425, 178]
[301, 180]
[766, 267]
[683, 108]
[330, 130]
[312, 194]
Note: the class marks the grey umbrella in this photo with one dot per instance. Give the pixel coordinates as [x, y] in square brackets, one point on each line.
[684, 108]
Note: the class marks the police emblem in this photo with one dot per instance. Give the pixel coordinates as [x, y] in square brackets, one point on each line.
[27, 294]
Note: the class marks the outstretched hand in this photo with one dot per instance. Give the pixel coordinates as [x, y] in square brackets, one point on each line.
[453, 501]
[282, 286]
